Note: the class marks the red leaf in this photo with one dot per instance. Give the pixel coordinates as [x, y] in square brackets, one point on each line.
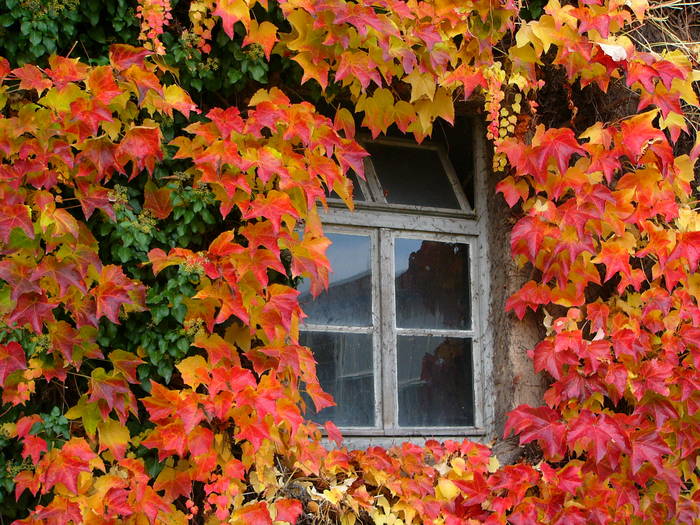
[32, 309]
[232, 11]
[114, 290]
[12, 358]
[552, 358]
[100, 81]
[15, 216]
[647, 445]
[157, 200]
[541, 423]
[288, 510]
[64, 70]
[140, 146]
[66, 464]
[599, 434]
[558, 144]
[123, 56]
[31, 77]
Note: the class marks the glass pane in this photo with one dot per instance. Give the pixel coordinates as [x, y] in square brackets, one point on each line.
[435, 381]
[346, 371]
[411, 175]
[348, 300]
[432, 284]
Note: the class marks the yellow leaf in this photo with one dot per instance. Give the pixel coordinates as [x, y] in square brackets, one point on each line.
[447, 489]
[264, 34]
[422, 85]
[545, 30]
[113, 436]
[193, 370]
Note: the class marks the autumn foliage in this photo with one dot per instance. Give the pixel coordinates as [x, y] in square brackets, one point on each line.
[209, 426]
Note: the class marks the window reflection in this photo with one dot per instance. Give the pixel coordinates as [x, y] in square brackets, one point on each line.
[348, 300]
[432, 284]
[435, 381]
[345, 370]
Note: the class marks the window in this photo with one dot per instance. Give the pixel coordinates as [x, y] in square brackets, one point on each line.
[397, 336]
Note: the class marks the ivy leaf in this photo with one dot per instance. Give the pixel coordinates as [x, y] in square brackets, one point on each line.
[232, 11]
[647, 445]
[288, 510]
[32, 309]
[558, 144]
[15, 216]
[65, 465]
[123, 56]
[538, 423]
[264, 34]
[115, 289]
[113, 436]
[141, 146]
[12, 358]
[157, 200]
[126, 363]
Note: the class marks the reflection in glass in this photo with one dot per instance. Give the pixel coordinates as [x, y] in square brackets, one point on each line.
[410, 175]
[346, 371]
[435, 381]
[348, 300]
[432, 284]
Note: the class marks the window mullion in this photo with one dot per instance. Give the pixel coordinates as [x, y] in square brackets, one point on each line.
[388, 330]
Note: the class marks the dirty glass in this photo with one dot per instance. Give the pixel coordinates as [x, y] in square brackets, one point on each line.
[346, 371]
[410, 175]
[435, 385]
[348, 300]
[432, 284]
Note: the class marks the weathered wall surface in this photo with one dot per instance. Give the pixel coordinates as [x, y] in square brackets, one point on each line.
[514, 379]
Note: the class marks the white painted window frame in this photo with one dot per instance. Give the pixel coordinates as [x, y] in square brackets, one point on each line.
[384, 222]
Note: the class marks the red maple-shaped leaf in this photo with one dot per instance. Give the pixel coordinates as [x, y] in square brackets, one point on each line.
[64, 465]
[114, 290]
[64, 70]
[140, 146]
[157, 200]
[123, 56]
[598, 434]
[112, 390]
[32, 446]
[232, 11]
[553, 357]
[32, 309]
[254, 514]
[100, 81]
[555, 144]
[288, 510]
[647, 445]
[638, 132]
[126, 363]
[531, 295]
[541, 423]
[15, 216]
[12, 358]
[31, 77]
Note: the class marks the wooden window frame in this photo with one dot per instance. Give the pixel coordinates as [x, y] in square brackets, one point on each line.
[384, 222]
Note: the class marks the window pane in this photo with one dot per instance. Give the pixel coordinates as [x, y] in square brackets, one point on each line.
[348, 300]
[410, 175]
[346, 371]
[435, 381]
[432, 284]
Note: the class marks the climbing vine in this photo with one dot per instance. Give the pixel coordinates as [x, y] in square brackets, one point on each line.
[149, 249]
